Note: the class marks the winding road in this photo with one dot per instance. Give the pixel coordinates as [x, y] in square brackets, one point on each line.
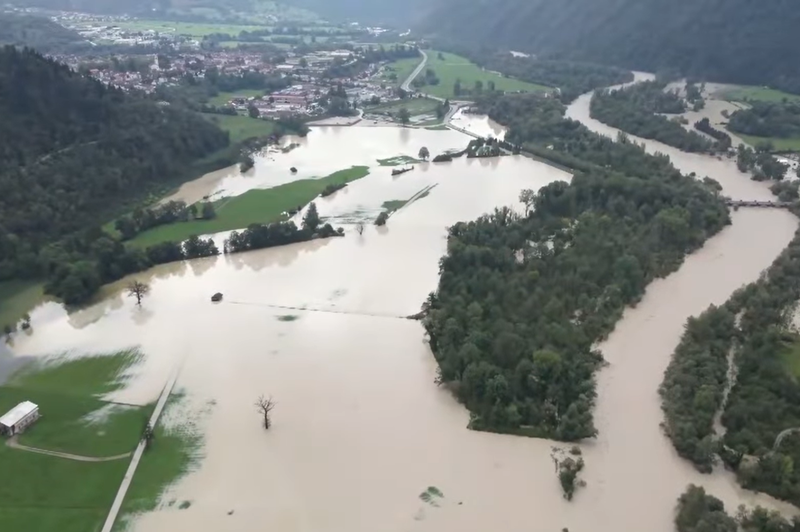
[14, 444]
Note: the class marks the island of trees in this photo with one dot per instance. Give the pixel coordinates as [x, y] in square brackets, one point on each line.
[522, 299]
[638, 110]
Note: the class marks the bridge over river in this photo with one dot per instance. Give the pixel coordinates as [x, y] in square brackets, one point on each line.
[766, 204]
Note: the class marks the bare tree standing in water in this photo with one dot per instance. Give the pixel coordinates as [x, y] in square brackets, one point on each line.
[265, 406]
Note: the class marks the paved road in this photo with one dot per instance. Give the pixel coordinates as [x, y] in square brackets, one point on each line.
[137, 456]
[407, 83]
[14, 444]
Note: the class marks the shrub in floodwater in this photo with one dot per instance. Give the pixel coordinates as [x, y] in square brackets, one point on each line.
[568, 470]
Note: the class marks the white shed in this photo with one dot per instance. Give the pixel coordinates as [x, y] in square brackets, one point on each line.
[19, 418]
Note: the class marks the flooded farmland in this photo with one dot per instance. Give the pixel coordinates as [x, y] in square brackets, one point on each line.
[360, 429]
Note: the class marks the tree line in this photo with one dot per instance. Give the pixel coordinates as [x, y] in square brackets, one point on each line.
[724, 141]
[760, 162]
[697, 511]
[522, 299]
[765, 399]
[767, 119]
[633, 110]
[260, 236]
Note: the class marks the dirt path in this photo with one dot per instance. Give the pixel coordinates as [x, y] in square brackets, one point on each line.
[14, 444]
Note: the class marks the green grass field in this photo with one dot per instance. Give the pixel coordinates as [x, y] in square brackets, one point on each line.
[189, 29]
[398, 160]
[402, 68]
[254, 206]
[415, 106]
[744, 93]
[452, 67]
[18, 298]
[224, 97]
[242, 127]
[779, 144]
[51, 494]
[173, 453]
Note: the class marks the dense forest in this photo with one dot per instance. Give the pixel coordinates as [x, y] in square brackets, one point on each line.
[698, 511]
[736, 41]
[634, 110]
[73, 152]
[522, 299]
[765, 398]
[38, 32]
[767, 119]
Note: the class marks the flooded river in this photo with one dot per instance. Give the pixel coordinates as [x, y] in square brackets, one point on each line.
[360, 430]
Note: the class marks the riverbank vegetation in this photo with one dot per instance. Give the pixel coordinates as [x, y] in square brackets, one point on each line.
[522, 300]
[694, 384]
[760, 163]
[634, 110]
[773, 123]
[723, 139]
[260, 236]
[258, 206]
[44, 495]
[764, 399]
[698, 511]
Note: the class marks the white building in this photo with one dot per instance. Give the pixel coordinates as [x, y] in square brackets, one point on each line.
[19, 418]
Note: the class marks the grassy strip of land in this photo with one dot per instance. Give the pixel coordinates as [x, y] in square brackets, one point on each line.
[778, 144]
[402, 68]
[450, 68]
[763, 94]
[52, 494]
[224, 97]
[398, 160]
[392, 206]
[415, 106]
[17, 298]
[174, 451]
[255, 206]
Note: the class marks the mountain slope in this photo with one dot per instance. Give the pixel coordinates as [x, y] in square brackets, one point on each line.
[37, 32]
[73, 150]
[740, 41]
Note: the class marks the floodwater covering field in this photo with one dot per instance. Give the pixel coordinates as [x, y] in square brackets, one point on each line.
[362, 436]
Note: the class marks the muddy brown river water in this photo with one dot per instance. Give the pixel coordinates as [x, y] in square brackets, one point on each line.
[360, 430]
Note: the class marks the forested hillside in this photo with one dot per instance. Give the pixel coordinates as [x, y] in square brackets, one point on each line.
[72, 152]
[739, 41]
[38, 32]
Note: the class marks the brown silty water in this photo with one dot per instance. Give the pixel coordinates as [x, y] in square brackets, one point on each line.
[360, 429]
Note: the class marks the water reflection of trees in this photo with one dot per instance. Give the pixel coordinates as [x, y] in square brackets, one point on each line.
[80, 318]
[141, 315]
[201, 266]
[282, 256]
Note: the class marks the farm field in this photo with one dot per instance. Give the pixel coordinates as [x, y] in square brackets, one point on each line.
[254, 206]
[450, 68]
[55, 494]
[744, 93]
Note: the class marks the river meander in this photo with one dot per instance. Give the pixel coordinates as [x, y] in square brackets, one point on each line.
[360, 429]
